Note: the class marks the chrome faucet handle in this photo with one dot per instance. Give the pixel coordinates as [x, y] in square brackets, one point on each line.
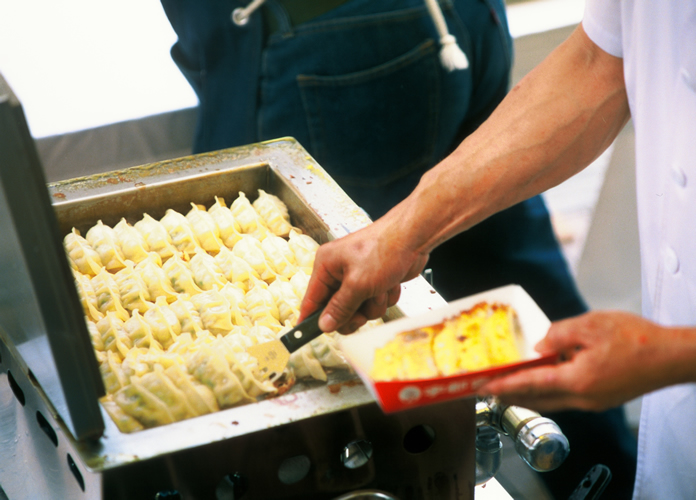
[538, 440]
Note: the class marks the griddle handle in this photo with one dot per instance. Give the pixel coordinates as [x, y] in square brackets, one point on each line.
[593, 484]
[303, 333]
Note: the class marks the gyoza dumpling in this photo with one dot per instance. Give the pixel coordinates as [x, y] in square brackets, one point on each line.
[187, 314]
[162, 387]
[235, 296]
[212, 369]
[273, 212]
[199, 397]
[180, 276]
[205, 228]
[83, 257]
[123, 421]
[279, 256]
[206, 271]
[305, 249]
[236, 269]
[287, 301]
[245, 367]
[214, 310]
[299, 283]
[132, 288]
[179, 229]
[249, 249]
[113, 334]
[133, 245]
[140, 332]
[141, 404]
[305, 364]
[250, 222]
[230, 232]
[95, 337]
[105, 241]
[108, 295]
[325, 349]
[112, 374]
[156, 236]
[138, 361]
[164, 323]
[88, 298]
[261, 307]
[155, 278]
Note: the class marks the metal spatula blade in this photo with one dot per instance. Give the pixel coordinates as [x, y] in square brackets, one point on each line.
[273, 356]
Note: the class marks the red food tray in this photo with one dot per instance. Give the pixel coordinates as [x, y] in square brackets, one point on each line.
[394, 396]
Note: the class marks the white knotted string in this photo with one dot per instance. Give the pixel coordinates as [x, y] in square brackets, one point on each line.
[451, 56]
[240, 15]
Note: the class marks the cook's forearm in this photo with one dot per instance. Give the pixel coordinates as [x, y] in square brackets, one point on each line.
[551, 125]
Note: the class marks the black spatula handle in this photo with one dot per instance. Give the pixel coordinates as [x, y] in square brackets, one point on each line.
[303, 333]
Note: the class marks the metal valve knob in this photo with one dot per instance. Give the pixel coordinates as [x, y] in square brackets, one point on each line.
[538, 440]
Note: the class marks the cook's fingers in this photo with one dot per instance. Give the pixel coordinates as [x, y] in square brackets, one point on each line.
[320, 288]
[342, 307]
[531, 383]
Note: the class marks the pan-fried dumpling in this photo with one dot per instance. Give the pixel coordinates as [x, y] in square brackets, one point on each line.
[273, 212]
[261, 307]
[123, 421]
[133, 245]
[132, 288]
[82, 256]
[140, 332]
[156, 236]
[236, 269]
[325, 349]
[163, 388]
[112, 374]
[211, 368]
[156, 280]
[180, 276]
[260, 334]
[163, 322]
[104, 240]
[299, 283]
[187, 314]
[141, 404]
[287, 301]
[250, 222]
[200, 398]
[179, 229]
[108, 295]
[230, 232]
[113, 333]
[249, 249]
[279, 256]
[95, 337]
[205, 228]
[206, 271]
[138, 361]
[305, 364]
[305, 249]
[245, 367]
[88, 298]
[214, 310]
[235, 296]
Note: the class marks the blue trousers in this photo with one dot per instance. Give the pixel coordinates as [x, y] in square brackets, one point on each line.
[362, 89]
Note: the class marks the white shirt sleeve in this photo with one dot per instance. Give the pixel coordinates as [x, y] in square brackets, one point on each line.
[602, 23]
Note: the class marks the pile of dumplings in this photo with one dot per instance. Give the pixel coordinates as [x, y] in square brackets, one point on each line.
[173, 304]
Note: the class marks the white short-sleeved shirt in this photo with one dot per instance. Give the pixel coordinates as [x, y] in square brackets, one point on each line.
[657, 40]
